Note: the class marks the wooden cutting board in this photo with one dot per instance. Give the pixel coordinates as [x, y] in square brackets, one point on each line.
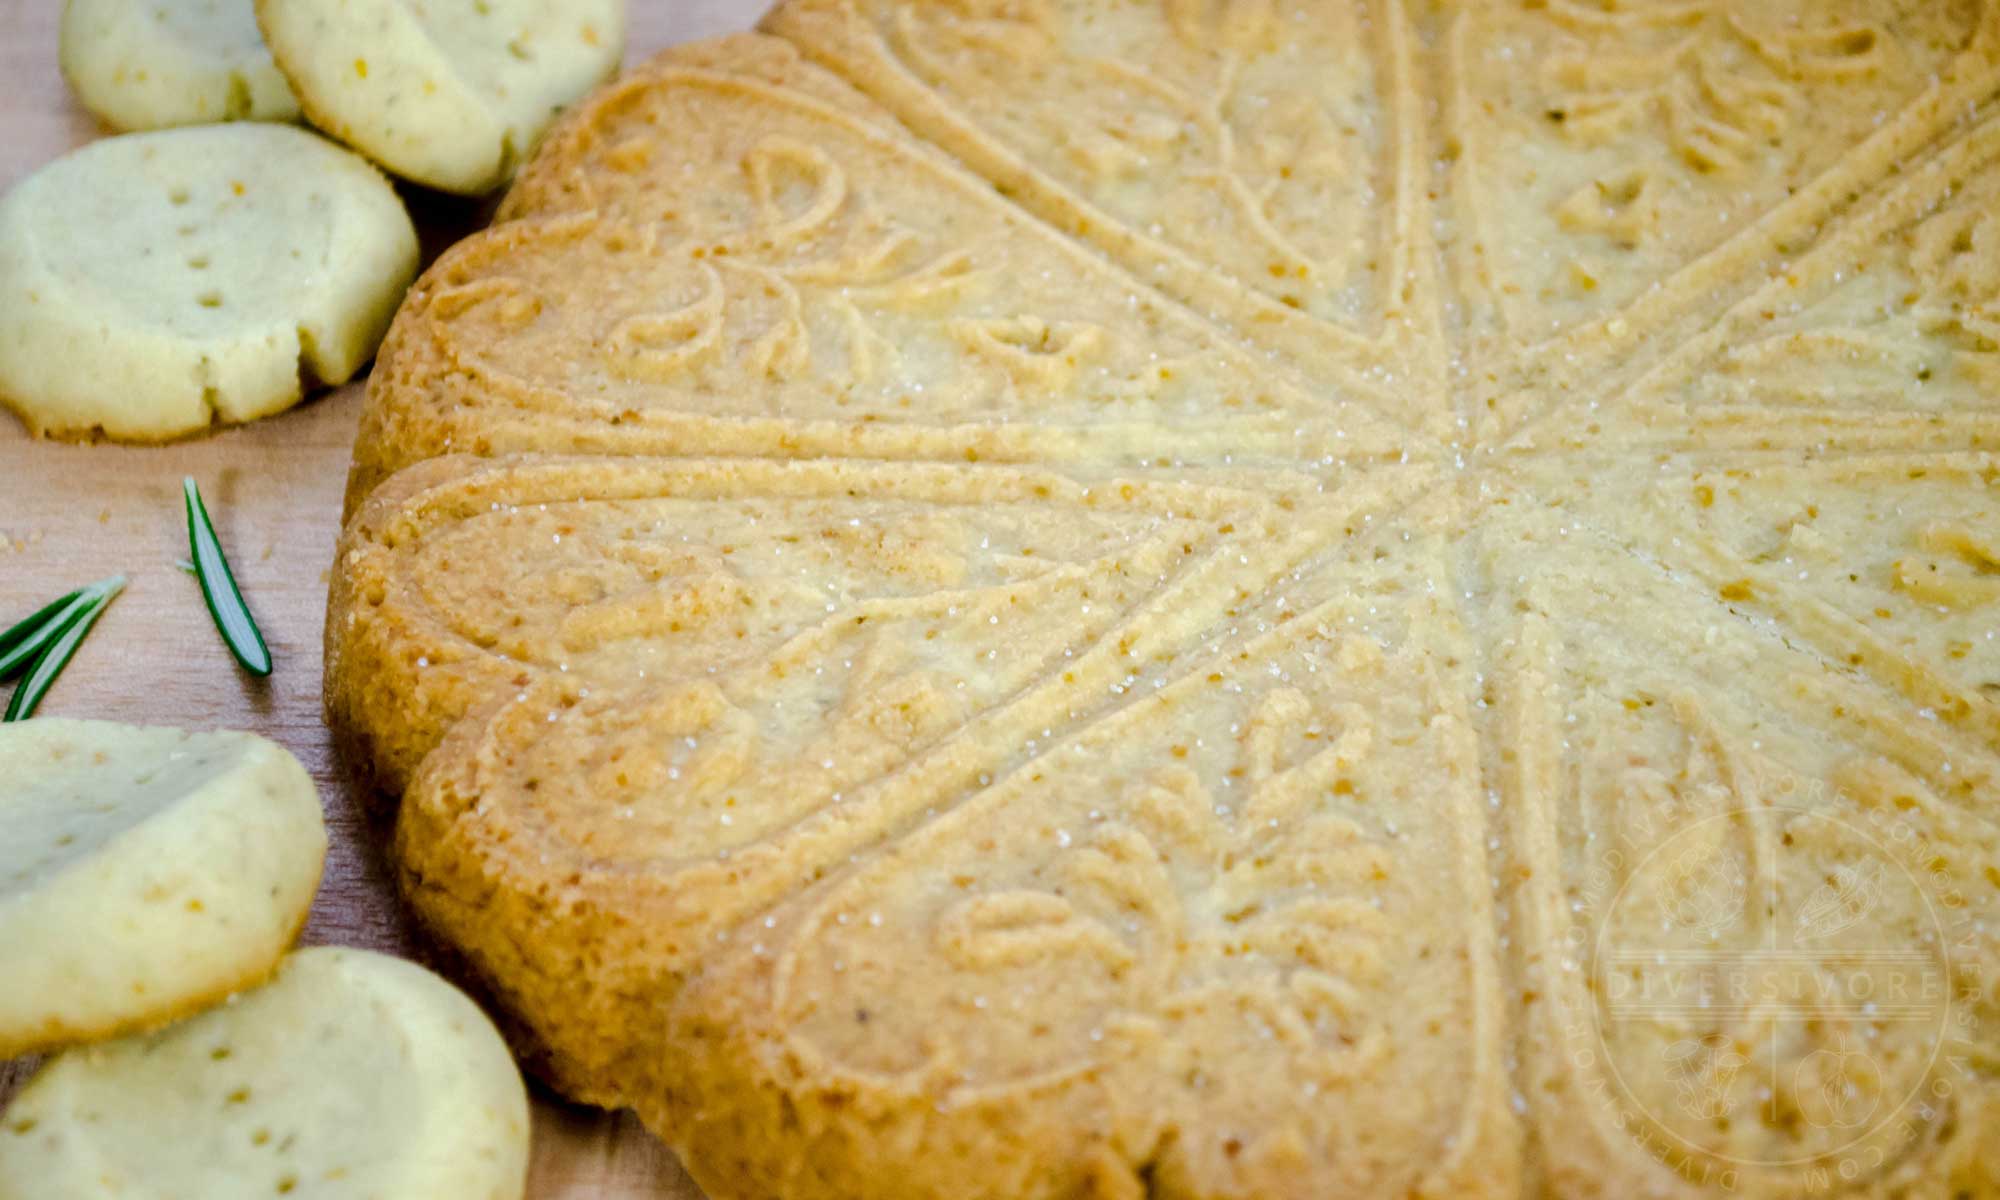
[72, 514]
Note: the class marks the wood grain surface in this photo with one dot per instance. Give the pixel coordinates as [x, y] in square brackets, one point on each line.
[72, 514]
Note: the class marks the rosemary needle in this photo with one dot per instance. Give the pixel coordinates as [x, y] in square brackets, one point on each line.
[70, 629]
[218, 587]
[21, 645]
[26, 629]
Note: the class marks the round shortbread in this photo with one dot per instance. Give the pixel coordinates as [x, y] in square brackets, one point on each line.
[351, 1074]
[141, 64]
[156, 283]
[144, 873]
[449, 96]
[1223, 598]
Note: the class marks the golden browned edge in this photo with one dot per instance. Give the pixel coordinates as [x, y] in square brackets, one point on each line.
[366, 691]
[568, 1035]
[369, 683]
[381, 425]
[548, 169]
[415, 732]
[542, 179]
[60, 1034]
[711, 1070]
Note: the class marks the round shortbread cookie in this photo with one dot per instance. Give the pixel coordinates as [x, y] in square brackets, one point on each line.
[143, 64]
[449, 96]
[144, 873]
[156, 283]
[351, 1074]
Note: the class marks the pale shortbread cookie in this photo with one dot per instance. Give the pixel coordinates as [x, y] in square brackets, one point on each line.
[449, 95]
[144, 64]
[349, 1075]
[144, 873]
[156, 283]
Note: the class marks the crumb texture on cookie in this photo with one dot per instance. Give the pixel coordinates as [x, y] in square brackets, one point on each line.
[1362, 599]
[154, 284]
[350, 1074]
[147, 64]
[450, 95]
[144, 872]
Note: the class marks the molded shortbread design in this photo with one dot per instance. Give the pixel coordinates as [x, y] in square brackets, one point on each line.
[1190, 599]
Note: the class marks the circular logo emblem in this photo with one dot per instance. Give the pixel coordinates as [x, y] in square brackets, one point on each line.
[1772, 992]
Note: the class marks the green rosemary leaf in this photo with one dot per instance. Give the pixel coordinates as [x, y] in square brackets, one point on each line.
[20, 645]
[57, 653]
[26, 628]
[218, 587]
